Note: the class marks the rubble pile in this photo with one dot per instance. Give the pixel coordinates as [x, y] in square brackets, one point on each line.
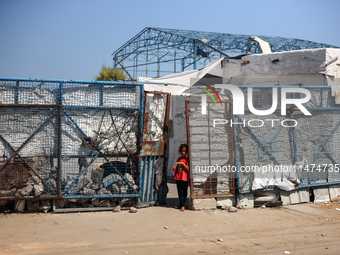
[83, 186]
[40, 183]
[112, 184]
[93, 202]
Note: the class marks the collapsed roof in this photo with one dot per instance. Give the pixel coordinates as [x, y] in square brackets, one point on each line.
[156, 52]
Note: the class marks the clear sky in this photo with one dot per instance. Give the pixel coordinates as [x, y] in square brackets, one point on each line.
[72, 39]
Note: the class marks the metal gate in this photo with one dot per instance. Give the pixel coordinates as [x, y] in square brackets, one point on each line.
[211, 152]
[69, 139]
[27, 165]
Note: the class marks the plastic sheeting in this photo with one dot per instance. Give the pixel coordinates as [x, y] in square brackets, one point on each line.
[177, 130]
[323, 61]
[156, 118]
[318, 67]
[105, 134]
[286, 178]
[97, 125]
[17, 126]
[177, 83]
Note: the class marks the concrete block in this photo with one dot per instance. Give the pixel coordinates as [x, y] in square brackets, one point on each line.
[117, 208]
[111, 179]
[133, 210]
[294, 196]
[24, 192]
[38, 189]
[225, 201]
[267, 196]
[104, 203]
[202, 203]
[334, 192]
[97, 175]
[19, 205]
[304, 195]
[61, 203]
[321, 195]
[285, 197]
[246, 200]
[8, 193]
[232, 209]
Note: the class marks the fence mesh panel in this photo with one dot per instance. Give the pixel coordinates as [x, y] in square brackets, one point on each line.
[284, 140]
[69, 138]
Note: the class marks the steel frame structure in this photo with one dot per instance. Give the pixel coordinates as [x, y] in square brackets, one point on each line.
[156, 52]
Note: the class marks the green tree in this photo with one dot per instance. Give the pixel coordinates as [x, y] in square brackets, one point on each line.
[110, 74]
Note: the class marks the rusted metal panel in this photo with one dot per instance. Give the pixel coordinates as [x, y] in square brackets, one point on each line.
[152, 148]
[166, 121]
[13, 175]
[210, 184]
[145, 126]
[31, 198]
[152, 151]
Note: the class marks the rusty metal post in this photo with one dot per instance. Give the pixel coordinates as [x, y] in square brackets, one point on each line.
[166, 121]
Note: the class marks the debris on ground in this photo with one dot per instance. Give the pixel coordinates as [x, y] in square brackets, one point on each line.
[133, 210]
[117, 209]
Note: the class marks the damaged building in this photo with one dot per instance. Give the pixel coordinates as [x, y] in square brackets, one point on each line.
[225, 148]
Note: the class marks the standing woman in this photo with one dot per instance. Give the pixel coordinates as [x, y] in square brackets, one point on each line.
[181, 177]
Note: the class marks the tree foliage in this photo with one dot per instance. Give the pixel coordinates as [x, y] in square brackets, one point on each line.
[110, 74]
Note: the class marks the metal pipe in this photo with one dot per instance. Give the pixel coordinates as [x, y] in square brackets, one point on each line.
[113, 83]
[282, 86]
[16, 93]
[147, 180]
[152, 178]
[143, 180]
[237, 188]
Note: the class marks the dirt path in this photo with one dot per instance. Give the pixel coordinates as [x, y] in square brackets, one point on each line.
[295, 228]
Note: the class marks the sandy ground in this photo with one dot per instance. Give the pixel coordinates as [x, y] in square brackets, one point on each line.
[296, 229]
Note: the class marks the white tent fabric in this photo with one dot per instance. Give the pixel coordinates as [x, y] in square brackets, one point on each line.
[263, 44]
[312, 67]
[177, 83]
[324, 61]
